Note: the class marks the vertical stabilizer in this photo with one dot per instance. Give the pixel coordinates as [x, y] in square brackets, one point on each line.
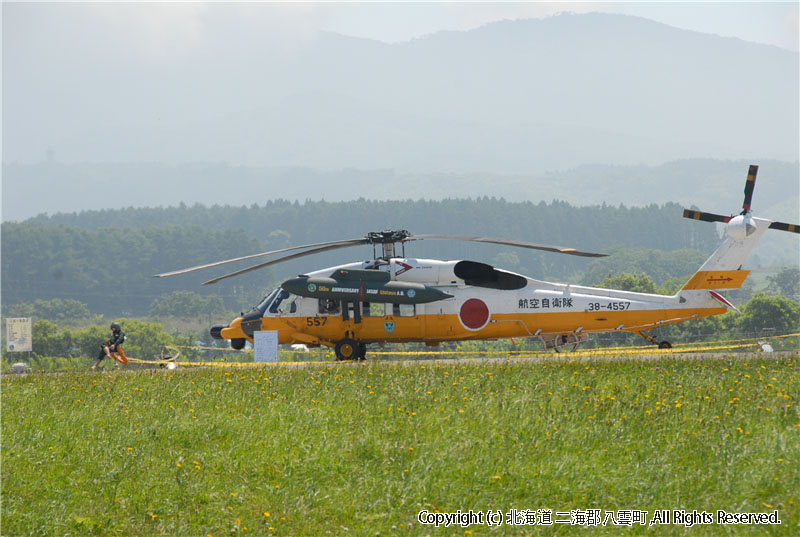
[723, 270]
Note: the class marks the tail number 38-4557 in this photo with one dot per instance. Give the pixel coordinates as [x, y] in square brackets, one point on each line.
[609, 306]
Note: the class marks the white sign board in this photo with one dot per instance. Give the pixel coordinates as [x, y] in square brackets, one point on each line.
[19, 336]
[265, 345]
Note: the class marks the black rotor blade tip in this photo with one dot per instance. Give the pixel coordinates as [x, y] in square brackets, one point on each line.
[705, 217]
[749, 186]
[783, 226]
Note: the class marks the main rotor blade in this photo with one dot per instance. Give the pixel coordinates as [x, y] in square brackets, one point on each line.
[783, 226]
[748, 187]
[508, 242]
[705, 217]
[333, 246]
[348, 242]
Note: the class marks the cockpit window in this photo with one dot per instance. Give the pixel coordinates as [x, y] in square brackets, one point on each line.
[283, 303]
[262, 307]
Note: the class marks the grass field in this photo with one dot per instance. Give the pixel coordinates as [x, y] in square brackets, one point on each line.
[361, 449]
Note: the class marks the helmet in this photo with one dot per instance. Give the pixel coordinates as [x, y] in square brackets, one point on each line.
[115, 327]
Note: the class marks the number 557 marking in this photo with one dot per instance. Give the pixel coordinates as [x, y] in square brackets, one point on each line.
[316, 321]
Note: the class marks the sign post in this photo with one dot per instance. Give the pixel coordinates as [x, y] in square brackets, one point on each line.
[19, 334]
[265, 346]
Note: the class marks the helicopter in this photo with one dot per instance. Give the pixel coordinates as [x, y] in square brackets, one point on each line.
[394, 298]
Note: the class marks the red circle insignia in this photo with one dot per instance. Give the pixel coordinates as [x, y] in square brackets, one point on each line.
[474, 313]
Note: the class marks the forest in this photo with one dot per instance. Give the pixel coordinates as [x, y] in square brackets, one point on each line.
[105, 258]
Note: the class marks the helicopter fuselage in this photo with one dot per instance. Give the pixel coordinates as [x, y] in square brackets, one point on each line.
[481, 303]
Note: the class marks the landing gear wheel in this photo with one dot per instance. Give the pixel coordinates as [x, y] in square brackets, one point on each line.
[665, 345]
[238, 343]
[346, 349]
[362, 351]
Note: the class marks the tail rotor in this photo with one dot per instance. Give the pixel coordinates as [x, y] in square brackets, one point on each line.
[723, 270]
[744, 217]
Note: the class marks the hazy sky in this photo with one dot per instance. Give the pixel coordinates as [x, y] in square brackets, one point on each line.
[179, 26]
[115, 59]
[773, 23]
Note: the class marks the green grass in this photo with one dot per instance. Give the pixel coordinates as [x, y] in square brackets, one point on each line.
[361, 449]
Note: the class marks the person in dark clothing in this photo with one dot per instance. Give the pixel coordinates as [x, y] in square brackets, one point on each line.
[112, 345]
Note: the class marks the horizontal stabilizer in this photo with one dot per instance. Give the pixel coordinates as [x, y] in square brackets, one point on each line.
[722, 300]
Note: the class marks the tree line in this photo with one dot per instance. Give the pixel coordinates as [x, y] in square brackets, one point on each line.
[105, 258]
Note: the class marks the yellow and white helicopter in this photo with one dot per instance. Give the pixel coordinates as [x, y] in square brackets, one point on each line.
[399, 299]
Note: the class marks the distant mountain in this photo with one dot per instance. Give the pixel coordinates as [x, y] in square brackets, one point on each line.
[516, 97]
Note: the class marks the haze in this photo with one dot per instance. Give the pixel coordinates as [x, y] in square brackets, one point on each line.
[514, 89]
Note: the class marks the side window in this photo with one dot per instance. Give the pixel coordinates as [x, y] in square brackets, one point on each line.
[403, 310]
[288, 305]
[282, 295]
[329, 307]
[283, 303]
[374, 310]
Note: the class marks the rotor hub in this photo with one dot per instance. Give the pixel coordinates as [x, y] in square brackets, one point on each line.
[387, 236]
[387, 239]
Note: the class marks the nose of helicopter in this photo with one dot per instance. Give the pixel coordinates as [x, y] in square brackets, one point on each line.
[216, 331]
[250, 322]
[232, 331]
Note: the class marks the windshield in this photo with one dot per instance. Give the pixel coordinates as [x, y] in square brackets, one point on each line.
[283, 303]
[262, 307]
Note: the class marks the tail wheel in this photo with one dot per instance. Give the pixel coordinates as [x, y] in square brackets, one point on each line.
[347, 349]
[665, 345]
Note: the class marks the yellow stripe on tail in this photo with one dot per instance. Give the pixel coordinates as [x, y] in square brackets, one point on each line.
[717, 279]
